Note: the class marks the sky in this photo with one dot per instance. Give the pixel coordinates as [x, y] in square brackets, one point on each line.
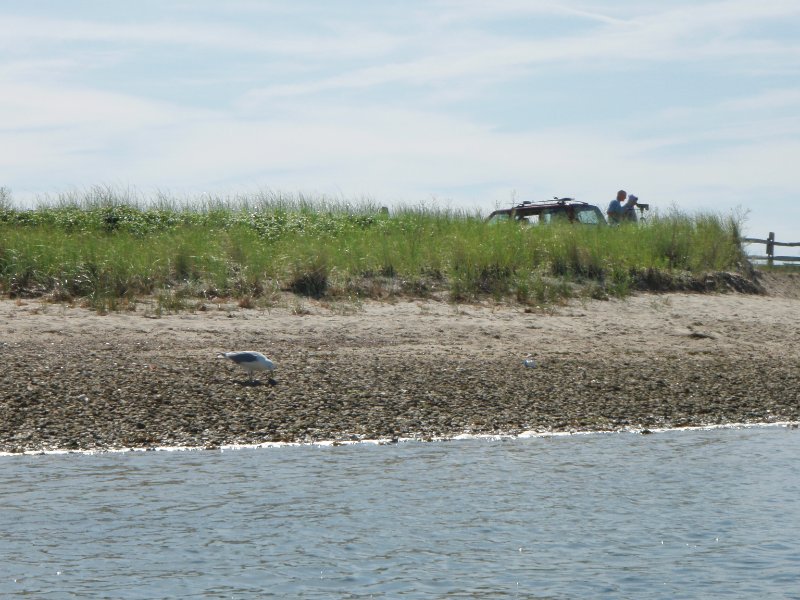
[690, 104]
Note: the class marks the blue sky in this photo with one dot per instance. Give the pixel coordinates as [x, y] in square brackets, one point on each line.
[688, 104]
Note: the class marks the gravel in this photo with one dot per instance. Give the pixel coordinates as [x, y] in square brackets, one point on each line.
[141, 391]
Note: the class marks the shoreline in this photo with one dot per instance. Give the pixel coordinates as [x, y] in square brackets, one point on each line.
[409, 369]
[387, 442]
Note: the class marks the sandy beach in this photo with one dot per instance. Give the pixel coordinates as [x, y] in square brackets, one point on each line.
[73, 379]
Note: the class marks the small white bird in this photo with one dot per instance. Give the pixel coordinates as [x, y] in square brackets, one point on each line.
[250, 361]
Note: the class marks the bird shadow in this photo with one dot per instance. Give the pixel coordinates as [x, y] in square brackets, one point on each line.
[256, 383]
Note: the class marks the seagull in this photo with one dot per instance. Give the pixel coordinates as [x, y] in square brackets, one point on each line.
[250, 361]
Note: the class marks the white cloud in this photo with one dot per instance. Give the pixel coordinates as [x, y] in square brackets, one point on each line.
[766, 100]
[346, 42]
[24, 106]
[371, 151]
[392, 133]
[688, 34]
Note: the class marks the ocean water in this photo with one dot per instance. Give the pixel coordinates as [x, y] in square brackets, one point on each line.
[678, 514]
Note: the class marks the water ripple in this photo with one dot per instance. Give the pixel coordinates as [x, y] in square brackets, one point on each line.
[672, 515]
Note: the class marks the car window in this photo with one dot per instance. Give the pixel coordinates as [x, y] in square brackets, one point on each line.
[549, 215]
[589, 216]
[559, 214]
[499, 218]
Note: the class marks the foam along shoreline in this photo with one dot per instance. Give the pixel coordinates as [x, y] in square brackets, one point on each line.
[388, 442]
[426, 370]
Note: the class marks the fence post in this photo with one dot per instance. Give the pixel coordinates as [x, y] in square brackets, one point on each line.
[770, 247]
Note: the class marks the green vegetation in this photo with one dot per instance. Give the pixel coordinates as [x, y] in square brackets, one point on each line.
[107, 249]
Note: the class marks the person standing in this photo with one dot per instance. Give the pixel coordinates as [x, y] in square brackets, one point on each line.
[629, 210]
[615, 210]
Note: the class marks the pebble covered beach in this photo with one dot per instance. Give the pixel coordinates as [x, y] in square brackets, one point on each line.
[75, 380]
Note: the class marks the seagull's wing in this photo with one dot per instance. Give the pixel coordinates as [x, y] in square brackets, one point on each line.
[242, 357]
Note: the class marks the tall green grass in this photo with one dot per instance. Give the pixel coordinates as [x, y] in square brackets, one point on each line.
[105, 246]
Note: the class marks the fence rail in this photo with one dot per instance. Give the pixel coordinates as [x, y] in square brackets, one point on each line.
[770, 244]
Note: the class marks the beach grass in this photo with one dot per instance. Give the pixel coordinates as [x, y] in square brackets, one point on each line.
[109, 248]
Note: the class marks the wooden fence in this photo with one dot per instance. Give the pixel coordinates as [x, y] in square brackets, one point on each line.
[771, 243]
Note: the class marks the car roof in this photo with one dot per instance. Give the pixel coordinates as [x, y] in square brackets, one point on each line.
[535, 208]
